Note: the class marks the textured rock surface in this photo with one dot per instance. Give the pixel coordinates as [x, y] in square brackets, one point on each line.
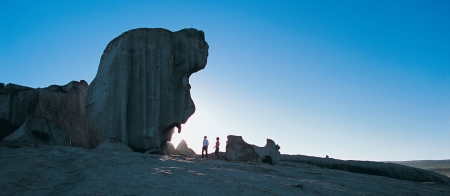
[64, 170]
[239, 150]
[63, 105]
[141, 90]
[183, 149]
[40, 131]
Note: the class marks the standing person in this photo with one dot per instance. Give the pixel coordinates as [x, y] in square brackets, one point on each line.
[217, 148]
[205, 146]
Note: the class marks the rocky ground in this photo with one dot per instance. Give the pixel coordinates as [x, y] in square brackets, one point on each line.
[28, 169]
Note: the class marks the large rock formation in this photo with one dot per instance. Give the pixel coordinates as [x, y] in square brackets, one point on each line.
[141, 90]
[63, 105]
[239, 150]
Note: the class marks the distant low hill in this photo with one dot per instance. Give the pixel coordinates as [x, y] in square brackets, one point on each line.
[439, 166]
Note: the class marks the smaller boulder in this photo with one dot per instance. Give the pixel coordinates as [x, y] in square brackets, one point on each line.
[183, 149]
[239, 150]
[170, 148]
[40, 131]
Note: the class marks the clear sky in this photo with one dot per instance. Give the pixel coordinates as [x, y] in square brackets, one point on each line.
[361, 80]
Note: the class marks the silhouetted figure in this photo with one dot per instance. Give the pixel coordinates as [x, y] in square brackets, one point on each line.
[327, 157]
[205, 146]
[217, 148]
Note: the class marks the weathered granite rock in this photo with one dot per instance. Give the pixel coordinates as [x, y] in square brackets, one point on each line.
[183, 149]
[141, 90]
[170, 148]
[63, 105]
[41, 131]
[239, 150]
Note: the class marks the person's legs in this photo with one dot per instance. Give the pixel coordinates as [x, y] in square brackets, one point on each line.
[206, 150]
[217, 153]
[203, 149]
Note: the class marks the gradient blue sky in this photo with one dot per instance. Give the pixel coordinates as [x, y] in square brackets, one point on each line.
[363, 80]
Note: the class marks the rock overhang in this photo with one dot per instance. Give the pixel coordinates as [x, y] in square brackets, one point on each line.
[141, 90]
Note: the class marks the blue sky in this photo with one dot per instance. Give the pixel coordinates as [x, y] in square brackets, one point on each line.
[363, 80]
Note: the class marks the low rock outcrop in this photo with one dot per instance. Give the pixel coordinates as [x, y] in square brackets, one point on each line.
[170, 148]
[391, 170]
[41, 131]
[141, 91]
[183, 149]
[62, 105]
[239, 150]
